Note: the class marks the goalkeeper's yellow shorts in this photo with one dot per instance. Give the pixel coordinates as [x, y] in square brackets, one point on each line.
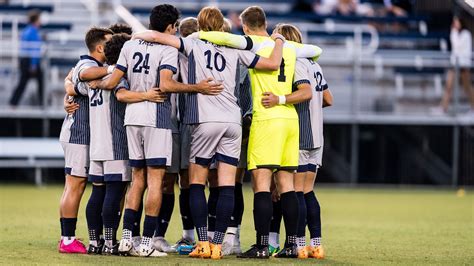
[274, 144]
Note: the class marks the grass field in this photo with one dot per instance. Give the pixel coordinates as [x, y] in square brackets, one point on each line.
[360, 226]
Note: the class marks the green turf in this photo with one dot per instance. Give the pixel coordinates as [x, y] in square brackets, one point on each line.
[360, 226]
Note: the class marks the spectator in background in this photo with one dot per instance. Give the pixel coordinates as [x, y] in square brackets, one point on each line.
[461, 54]
[341, 7]
[236, 23]
[30, 58]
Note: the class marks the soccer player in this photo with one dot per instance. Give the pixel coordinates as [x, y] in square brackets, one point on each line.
[121, 28]
[217, 119]
[308, 75]
[273, 141]
[75, 139]
[148, 124]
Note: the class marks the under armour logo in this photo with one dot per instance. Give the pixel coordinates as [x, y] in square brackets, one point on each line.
[261, 253]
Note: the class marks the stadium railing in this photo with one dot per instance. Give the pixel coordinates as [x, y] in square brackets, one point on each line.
[36, 153]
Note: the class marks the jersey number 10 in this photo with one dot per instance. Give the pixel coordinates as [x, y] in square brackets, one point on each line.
[219, 67]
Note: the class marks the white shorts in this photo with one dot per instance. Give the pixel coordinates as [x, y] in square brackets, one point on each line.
[175, 157]
[216, 141]
[149, 146]
[185, 144]
[76, 159]
[310, 160]
[110, 171]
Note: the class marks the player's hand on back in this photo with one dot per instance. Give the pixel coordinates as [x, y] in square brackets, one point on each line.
[156, 96]
[93, 84]
[269, 99]
[70, 106]
[209, 87]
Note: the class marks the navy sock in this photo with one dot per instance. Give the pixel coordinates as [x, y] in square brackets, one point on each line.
[276, 217]
[289, 210]
[197, 203]
[94, 212]
[129, 220]
[225, 207]
[62, 228]
[212, 208]
[167, 205]
[137, 220]
[149, 226]
[313, 214]
[114, 192]
[184, 209]
[69, 225]
[238, 212]
[302, 214]
[262, 215]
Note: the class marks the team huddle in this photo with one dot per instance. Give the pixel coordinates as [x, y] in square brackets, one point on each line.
[149, 109]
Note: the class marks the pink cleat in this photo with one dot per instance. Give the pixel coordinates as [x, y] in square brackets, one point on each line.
[75, 247]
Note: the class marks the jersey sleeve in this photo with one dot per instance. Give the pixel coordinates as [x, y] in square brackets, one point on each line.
[123, 84]
[247, 58]
[169, 60]
[85, 65]
[81, 88]
[301, 73]
[122, 63]
[307, 50]
[227, 39]
[186, 45]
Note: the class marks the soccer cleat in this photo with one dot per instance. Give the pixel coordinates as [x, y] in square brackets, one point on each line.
[183, 242]
[216, 251]
[162, 245]
[231, 246]
[75, 247]
[316, 252]
[135, 251]
[288, 252]
[202, 250]
[114, 250]
[147, 251]
[93, 250]
[302, 253]
[255, 253]
[125, 246]
[273, 250]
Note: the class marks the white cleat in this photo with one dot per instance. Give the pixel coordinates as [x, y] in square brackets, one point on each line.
[162, 245]
[147, 251]
[125, 246]
[231, 246]
[135, 251]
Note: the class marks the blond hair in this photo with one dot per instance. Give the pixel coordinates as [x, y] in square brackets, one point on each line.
[188, 26]
[227, 27]
[210, 19]
[290, 32]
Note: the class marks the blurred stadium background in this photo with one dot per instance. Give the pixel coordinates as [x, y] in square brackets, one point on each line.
[385, 67]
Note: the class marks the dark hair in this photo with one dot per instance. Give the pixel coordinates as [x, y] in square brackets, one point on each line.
[121, 28]
[254, 17]
[34, 15]
[114, 46]
[96, 36]
[163, 15]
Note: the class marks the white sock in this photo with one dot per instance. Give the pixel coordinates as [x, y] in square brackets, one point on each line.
[274, 239]
[93, 243]
[210, 235]
[315, 242]
[301, 242]
[230, 235]
[68, 240]
[189, 234]
[232, 230]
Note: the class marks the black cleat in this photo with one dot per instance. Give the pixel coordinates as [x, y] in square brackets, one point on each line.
[93, 250]
[111, 250]
[288, 252]
[255, 253]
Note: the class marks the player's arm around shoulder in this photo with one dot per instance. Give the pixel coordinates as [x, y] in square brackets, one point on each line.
[274, 61]
[227, 39]
[158, 37]
[306, 50]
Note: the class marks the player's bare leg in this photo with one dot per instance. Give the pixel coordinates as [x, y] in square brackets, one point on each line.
[153, 199]
[212, 202]
[68, 209]
[313, 216]
[301, 239]
[224, 207]
[167, 206]
[197, 202]
[289, 207]
[132, 205]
